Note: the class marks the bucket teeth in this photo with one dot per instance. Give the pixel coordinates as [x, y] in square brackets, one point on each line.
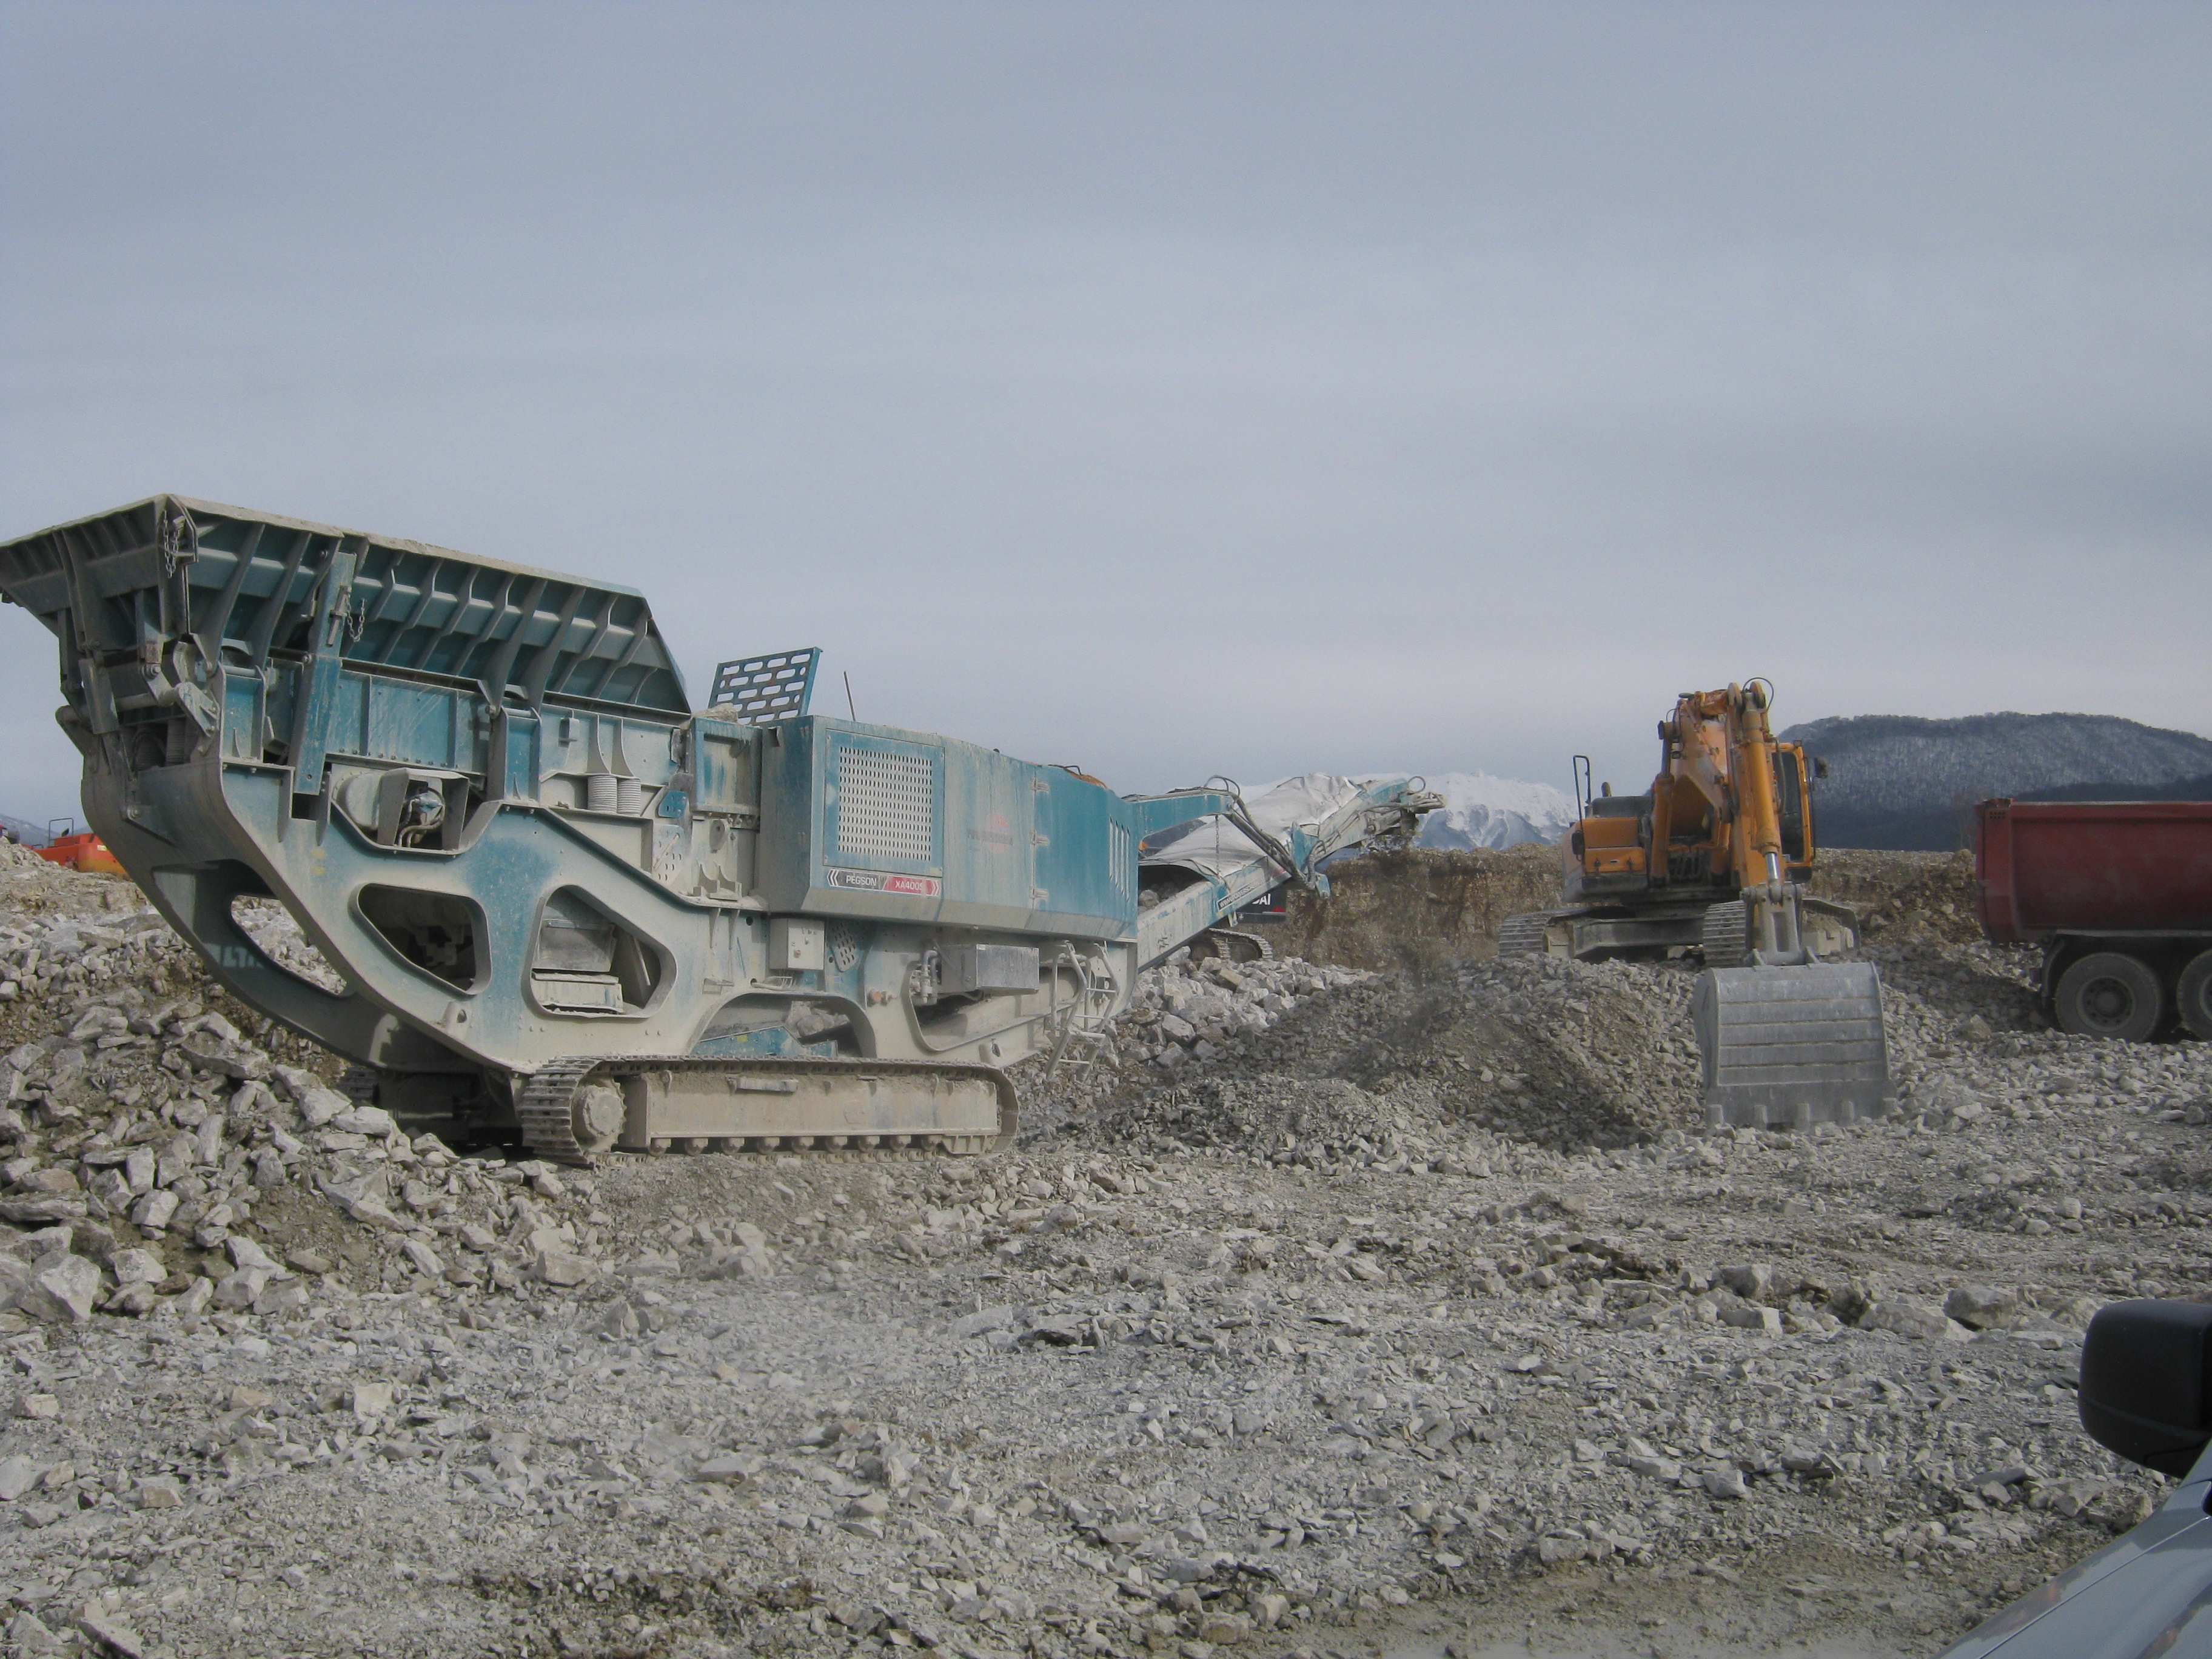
[1792, 1047]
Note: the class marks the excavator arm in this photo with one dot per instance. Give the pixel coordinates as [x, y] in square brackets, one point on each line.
[1786, 1038]
[1776, 903]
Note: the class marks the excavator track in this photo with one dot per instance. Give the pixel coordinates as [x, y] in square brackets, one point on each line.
[1728, 935]
[1523, 936]
[849, 1107]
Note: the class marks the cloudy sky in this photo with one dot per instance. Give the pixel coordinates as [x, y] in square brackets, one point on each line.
[1169, 389]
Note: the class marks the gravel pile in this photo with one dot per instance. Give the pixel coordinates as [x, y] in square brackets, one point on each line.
[1994, 983]
[1560, 1054]
[1928, 897]
[1181, 1012]
[1324, 1339]
[161, 1162]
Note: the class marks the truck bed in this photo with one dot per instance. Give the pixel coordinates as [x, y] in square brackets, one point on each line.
[2045, 868]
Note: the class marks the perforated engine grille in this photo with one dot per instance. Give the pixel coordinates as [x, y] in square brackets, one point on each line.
[886, 806]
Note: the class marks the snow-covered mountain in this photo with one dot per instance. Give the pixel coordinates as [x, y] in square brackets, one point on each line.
[1479, 810]
[1482, 811]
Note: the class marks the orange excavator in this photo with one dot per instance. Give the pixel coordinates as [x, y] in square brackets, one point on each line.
[1712, 863]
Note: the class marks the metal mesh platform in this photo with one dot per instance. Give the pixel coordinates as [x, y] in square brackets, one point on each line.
[771, 688]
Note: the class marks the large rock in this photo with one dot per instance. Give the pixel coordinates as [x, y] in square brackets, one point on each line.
[371, 1401]
[62, 1291]
[245, 1253]
[151, 1214]
[134, 1299]
[1981, 1305]
[319, 1106]
[239, 1291]
[1746, 1316]
[372, 1121]
[424, 1258]
[41, 1211]
[1916, 1320]
[559, 1268]
[136, 1266]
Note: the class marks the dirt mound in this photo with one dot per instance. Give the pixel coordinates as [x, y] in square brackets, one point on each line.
[1994, 983]
[1422, 907]
[1556, 1052]
[1903, 895]
[1544, 1052]
[1417, 909]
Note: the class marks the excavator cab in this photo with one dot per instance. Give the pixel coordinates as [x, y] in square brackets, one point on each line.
[1794, 809]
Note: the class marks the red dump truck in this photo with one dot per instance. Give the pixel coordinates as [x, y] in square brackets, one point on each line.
[2119, 896]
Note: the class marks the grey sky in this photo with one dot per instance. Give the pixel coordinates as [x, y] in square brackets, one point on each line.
[1170, 389]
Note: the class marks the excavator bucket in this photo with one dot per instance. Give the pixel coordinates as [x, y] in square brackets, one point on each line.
[1788, 1048]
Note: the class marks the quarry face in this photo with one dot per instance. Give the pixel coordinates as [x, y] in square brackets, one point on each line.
[1374, 1298]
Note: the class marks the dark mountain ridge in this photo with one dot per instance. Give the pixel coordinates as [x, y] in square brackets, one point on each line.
[1905, 783]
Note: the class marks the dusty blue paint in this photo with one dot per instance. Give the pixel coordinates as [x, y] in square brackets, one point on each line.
[1012, 846]
[1151, 814]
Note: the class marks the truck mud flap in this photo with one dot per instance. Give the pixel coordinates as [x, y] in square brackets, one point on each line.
[1787, 1047]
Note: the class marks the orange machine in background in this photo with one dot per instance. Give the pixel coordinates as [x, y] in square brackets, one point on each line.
[83, 851]
[1713, 859]
[1711, 864]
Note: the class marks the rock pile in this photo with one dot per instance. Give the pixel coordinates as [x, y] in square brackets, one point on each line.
[1184, 1011]
[163, 1161]
[1412, 1310]
[1902, 898]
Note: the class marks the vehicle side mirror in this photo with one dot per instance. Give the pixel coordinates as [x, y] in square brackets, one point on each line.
[2146, 1370]
[1819, 769]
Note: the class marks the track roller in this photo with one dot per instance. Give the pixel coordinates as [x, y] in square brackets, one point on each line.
[576, 1109]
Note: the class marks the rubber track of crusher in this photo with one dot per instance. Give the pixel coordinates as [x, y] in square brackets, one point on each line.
[1263, 948]
[542, 1106]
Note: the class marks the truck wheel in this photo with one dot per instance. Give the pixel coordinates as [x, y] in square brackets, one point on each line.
[2110, 994]
[2194, 995]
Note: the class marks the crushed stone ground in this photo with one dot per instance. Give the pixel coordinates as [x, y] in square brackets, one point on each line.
[1416, 1309]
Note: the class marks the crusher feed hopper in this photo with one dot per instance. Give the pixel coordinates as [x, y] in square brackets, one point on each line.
[563, 902]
